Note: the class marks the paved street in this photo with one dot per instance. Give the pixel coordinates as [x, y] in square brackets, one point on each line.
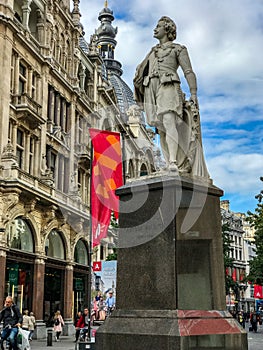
[255, 342]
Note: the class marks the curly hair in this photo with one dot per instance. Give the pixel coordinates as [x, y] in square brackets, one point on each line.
[169, 26]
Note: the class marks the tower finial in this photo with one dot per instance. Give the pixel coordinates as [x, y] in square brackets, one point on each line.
[106, 3]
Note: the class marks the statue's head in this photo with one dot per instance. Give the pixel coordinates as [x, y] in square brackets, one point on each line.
[170, 27]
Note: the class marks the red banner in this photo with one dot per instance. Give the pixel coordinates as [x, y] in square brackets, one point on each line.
[234, 275]
[258, 293]
[106, 178]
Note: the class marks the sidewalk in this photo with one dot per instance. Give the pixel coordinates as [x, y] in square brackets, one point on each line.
[66, 343]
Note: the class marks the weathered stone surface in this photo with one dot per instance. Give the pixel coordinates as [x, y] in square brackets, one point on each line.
[170, 270]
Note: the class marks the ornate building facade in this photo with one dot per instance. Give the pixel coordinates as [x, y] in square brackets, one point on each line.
[53, 87]
[241, 250]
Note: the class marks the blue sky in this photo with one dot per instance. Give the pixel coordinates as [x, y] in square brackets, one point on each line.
[224, 39]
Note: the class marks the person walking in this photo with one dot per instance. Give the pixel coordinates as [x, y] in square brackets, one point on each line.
[58, 324]
[12, 320]
[27, 322]
[254, 321]
[31, 327]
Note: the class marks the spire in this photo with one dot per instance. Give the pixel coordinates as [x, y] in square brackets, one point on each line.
[76, 12]
[106, 42]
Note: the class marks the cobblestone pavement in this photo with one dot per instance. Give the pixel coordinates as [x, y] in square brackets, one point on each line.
[255, 342]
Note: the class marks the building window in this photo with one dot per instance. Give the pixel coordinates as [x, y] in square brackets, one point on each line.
[83, 184]
[34, 86]
[22, 79]
[20, 144]
[54, 246]
[19, 235]
[80, 253]
[31, 155]
[143, 170]
[58, 109]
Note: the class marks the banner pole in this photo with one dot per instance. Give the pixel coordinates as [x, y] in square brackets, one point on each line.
[90, 242]
[123, 133]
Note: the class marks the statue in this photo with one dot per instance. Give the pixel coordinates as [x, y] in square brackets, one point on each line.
[157, 89]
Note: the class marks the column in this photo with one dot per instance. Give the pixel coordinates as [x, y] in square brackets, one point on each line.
[27, 151]
[68, 301]
[30, 79]
[26, 12]
[16, 75]
[37, 157]
[38, 288]
[3, 273]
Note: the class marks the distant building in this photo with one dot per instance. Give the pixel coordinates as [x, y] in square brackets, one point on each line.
[241, 250]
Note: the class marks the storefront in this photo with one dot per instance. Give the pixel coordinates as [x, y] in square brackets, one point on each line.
[45, 273]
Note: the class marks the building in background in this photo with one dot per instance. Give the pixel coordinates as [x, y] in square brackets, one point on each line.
[53, 87]
[242, 251]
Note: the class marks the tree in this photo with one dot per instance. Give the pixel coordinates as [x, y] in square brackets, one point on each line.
[256, 221]
[228, 261]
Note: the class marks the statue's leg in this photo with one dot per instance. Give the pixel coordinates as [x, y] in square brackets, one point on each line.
[164, 146]
[171, 138]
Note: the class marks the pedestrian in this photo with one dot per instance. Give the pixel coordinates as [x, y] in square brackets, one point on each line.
[83, 324]
[110, 302]
[12, 320]
[254, 321]
[32, 327]
[77, 330]
[58, 324]
[241, 318]
[101, 309]
[27, 322]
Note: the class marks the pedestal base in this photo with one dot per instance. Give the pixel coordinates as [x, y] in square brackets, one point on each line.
[171, 330]
[170, 266]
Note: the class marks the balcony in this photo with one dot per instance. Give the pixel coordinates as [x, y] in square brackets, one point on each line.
[28, 109]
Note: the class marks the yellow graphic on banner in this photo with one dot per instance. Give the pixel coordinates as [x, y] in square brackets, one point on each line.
[115, 143]
[102, 191]
[105, 161]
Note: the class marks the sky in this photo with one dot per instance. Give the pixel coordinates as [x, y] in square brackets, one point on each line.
[224, 39]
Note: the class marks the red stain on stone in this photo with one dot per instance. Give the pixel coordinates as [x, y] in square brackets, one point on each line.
[200, 326]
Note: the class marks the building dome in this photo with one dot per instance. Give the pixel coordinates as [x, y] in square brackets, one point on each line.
[123, 92]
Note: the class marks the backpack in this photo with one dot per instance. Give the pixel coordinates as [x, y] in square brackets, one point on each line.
[57, 322]
[254, 318]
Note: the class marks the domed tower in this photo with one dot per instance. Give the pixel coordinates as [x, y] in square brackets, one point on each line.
[106, 44]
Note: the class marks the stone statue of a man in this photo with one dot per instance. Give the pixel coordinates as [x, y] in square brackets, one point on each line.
[157, 88]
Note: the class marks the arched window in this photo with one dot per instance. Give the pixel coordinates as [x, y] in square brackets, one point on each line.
[19, 235]
[54, 246]
[81, 254]
[143, 170]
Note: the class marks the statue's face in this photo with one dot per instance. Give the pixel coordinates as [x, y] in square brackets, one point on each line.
[159, 31]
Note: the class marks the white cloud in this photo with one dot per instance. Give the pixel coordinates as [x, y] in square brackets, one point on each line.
[224, 39]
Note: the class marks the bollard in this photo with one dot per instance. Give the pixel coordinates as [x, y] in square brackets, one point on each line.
[49, 336]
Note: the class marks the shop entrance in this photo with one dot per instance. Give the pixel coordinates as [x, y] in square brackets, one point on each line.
[19, 279]
[53, 293]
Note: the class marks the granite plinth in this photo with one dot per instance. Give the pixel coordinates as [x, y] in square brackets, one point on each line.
[170, 270]
[171, 329]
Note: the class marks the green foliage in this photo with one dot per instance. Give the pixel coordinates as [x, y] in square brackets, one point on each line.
[228, 261]
[112, 256]
[256, 221]
[113, 221]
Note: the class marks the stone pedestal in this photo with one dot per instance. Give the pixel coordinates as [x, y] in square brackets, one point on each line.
[170, 277]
